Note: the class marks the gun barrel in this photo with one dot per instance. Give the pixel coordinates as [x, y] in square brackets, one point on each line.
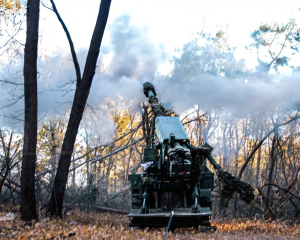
[150, 93]
[149, 89]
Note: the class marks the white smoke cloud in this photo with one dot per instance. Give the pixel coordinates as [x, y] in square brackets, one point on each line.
[240, 98]
[133, 61]
[123, 66]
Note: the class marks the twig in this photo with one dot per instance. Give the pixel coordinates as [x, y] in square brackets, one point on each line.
[261, 142]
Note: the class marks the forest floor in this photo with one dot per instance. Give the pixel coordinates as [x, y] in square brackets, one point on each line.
[81, 225]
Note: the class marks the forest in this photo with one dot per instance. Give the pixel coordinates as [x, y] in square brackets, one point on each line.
[91, 121]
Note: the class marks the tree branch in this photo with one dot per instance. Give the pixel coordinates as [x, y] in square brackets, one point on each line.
[91, 160]
[261, 142]
[295, 180]
[74, 56]
[107, 155]
[283, 189]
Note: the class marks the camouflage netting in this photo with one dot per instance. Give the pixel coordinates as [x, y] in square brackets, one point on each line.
[230, 185]
[168, 112]
[198, 157]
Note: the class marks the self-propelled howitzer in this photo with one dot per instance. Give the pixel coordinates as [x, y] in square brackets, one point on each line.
[176, 182]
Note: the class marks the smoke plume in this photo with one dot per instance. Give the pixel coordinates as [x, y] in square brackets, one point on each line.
[240, 98]
[125, 64]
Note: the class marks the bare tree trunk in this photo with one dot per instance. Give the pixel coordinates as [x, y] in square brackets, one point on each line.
[108, 169]
[261, 142]
[28, 204]
[88, 174]
[129, 158]
[127, 168]
[74, 175]
[82, 91]
[5, 176]
[236, 163]
[224, 146]
[272, 165]
[6, 167]
[260, 135]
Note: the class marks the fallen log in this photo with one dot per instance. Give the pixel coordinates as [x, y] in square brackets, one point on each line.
[113, 210]
[69, 207]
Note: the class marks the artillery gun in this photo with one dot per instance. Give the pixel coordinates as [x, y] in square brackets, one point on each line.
[175, 187]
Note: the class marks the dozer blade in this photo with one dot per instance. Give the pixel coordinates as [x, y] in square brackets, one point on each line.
[180, 219]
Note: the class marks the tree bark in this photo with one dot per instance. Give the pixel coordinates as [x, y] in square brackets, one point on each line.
[260, 135]
[28, 204]
[2, 181]
[81, 94]
[272, 165]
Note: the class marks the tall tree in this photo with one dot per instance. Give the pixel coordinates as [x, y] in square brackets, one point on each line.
[28, 205]
[275, 45]
[81, 94]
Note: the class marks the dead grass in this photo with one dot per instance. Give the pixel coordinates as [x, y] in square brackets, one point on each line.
[82, 225]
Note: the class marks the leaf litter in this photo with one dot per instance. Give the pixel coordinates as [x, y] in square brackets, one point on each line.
[83, 225]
